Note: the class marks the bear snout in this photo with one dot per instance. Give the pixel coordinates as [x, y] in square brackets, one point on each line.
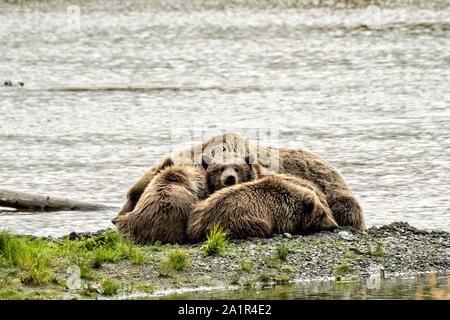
[230, 180]
[229, 177]
[114, 220]
[328, 223]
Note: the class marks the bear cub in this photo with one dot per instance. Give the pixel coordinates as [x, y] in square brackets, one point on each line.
[163, 210]
[270, 205]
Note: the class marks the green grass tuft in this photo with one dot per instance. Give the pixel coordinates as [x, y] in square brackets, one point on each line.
[342, 270]
[280, 279]
[217, 241]
[273, 262]
[109, 287]
[108, 239]
[30, 255]
[246, 265]
[164, 269]
[282, 252]
[176, 260]
[107, 247]
[35, 258]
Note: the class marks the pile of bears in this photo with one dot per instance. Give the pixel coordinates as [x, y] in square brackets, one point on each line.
[247, 189]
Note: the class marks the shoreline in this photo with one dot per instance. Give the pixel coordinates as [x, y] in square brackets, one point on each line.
[154, 271]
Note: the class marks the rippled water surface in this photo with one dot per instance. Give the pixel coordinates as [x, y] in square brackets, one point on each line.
[110, 87]
[423, 287]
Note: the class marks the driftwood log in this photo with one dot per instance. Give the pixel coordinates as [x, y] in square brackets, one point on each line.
[27, 201]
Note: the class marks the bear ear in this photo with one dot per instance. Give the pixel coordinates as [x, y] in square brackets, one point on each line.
[168, 162]
[206, 161]
[309, 205]
[250, 159]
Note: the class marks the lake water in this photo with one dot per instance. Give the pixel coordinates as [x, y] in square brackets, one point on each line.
[422, 287]
[112, 86]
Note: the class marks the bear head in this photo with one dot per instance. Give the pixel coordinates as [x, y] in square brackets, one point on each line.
[227, 169]
[316, 215]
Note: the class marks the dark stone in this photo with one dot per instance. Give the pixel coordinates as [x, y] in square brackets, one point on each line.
[73, 236]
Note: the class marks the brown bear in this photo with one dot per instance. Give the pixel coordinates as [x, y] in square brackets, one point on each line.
[227, 169]
[297, 162]
[274, 204]
[163, 209]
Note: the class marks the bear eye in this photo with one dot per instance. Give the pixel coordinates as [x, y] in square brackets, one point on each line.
[222, 169]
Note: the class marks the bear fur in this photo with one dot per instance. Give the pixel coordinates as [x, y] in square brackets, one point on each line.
[164, 207]
[300, 163]
[228, 169]
[270, 205]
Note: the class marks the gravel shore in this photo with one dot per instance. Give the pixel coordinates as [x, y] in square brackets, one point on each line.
[391, 250]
